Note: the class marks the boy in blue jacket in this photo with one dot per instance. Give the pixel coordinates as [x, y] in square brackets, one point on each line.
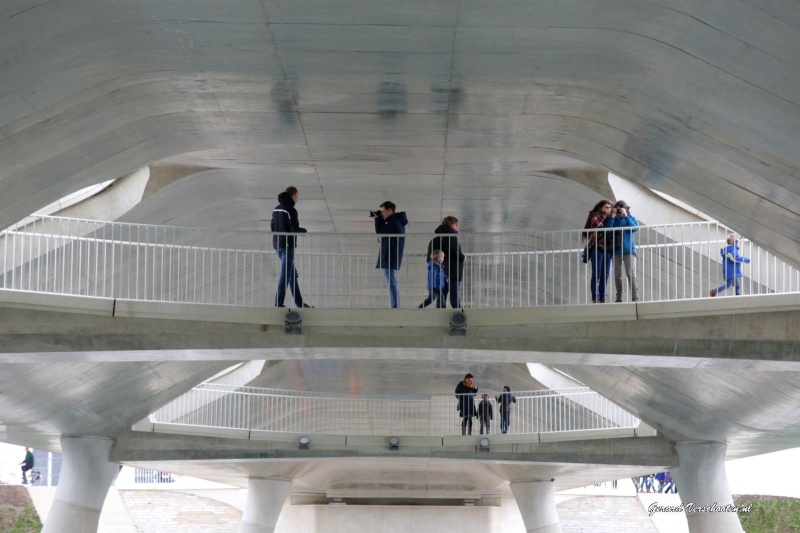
[731, 265]
[437, 280]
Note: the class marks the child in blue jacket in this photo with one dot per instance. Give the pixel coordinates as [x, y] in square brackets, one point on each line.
[436, 281]
[731, 266]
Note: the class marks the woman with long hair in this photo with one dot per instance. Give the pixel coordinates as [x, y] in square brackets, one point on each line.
[599, 255]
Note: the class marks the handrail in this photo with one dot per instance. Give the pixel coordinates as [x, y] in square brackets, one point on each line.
[172, 264]
[276, 410]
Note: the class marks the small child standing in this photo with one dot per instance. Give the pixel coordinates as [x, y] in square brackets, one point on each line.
[436, 281]
[731, 265]
[485, 413]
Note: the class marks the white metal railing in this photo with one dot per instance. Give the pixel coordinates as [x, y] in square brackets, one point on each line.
[171, 264]
[542, 411]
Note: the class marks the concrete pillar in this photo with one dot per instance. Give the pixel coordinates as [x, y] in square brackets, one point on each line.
[265, 499]
[703, 487]
[537, 503]
[86, 475]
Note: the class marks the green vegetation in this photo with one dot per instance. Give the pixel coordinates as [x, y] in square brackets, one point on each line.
[770, 514]
[17, 514]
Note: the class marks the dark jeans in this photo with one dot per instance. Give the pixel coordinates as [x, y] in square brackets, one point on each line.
[601, 267]
[487, 423]
[504, 420]
[436, 295]
[451, 288]
[288, 276]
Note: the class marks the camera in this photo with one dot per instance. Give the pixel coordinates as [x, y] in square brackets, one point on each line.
[374, 214]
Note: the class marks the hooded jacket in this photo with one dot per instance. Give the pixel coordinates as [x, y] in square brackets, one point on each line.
[284, 220]
[732, 262]
[391, 247]
[624, 241]
[447, 241]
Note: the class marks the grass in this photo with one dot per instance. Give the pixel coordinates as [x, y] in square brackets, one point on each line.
[17, 514]
[769, 514]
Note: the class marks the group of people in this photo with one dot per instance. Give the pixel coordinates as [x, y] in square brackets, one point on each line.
[465, 396]
[444, 255]
[613, 238]
[661, 483]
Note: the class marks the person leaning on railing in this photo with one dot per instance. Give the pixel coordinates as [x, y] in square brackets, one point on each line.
[598, 254]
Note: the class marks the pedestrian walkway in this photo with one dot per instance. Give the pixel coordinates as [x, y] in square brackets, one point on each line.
[604, 514]
[114, 517]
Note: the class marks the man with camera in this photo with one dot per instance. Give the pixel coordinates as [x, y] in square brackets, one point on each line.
[388, 222]
[622, 225]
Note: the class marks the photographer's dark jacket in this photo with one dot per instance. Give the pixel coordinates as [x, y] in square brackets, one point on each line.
[447, 241]
[391, 247]
[284, 220]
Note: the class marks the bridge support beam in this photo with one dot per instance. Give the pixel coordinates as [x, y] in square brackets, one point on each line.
[265, 499]
[86, 475]
[703, 487]
[537, 503]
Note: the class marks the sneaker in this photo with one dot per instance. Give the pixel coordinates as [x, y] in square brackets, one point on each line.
[306, 306]
[712, 293]
[601, 301]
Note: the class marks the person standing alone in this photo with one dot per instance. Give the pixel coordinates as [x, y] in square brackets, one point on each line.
[388, 222]
[285, 220]
[27, 464]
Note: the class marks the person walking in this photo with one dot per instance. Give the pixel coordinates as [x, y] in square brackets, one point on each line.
[285, 220]
[437, 281]
[731, 265]
[465, 394]
[623, 225]
[389, 222]
[504, 402]
[598, 255]
[27, 464]
[446, 240]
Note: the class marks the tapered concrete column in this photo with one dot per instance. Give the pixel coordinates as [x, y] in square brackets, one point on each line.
[86, 475]
[703, 487]
[537, 503]
[265, 499]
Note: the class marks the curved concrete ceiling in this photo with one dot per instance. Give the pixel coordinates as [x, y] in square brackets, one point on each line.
[438, 107]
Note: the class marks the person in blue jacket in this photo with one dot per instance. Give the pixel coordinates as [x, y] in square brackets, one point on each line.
[623, 226]
[731, 265]
[387, 221]
[437, 281]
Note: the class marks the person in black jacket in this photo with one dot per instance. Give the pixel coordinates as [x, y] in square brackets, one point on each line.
[465, 394]
[284, 220]
[446, 240]
[27, 464]
[485, 414]
[387, 221]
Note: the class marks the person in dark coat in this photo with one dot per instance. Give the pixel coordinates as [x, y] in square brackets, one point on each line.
[27, 464]
[285, 220]
[388, 222]
[504, 402]
[446, 240]
[485, 414]
[465, 393]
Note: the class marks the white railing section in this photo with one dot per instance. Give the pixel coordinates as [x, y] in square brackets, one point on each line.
[541, 411]
[171, 264]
